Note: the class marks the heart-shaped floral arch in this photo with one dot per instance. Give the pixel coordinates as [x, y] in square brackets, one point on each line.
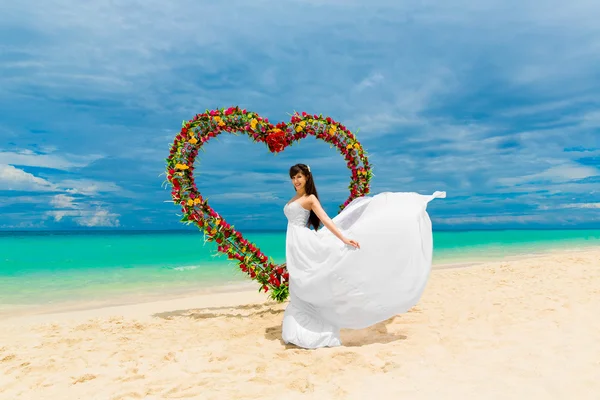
[199, 130]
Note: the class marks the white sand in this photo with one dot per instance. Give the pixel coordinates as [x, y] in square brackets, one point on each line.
[520, 329]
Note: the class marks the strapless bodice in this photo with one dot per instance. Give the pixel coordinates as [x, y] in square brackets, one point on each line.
[296, 214]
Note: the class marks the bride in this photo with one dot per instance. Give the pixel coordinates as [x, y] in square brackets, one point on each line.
[367, 264]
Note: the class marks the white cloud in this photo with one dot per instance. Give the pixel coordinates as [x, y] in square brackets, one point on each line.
[89, 187]
[29, 158]
[23, 224]
[370, 81]
[237, 196]
[490, 219]
[82, 212]
[87, 218]
[63, 201]
[12, 178]
[556, 174]
[571, 205]
[522, 219]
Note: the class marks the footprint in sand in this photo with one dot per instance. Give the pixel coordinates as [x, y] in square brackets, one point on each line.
[348, 357]
[83, 378]
[302, 385]
[390, 366]
[132, 378]
[129, 395]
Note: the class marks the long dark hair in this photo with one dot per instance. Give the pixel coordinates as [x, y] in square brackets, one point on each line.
[309, 188]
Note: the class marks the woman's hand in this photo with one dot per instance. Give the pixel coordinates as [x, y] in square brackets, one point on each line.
[352, 243]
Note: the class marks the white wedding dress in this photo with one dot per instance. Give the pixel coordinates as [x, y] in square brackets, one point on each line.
[335, 286]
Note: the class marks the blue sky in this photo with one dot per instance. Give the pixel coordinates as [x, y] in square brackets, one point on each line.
[495, 102]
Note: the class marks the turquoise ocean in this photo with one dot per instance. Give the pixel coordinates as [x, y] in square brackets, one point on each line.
[49, 268]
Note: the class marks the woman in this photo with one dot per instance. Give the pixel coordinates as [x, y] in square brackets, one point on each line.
[369, 263]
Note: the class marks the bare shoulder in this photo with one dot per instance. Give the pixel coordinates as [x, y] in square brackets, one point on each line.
[313, 200]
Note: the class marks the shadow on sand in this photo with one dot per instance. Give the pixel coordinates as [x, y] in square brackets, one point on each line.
[377, 333]
[245, 311]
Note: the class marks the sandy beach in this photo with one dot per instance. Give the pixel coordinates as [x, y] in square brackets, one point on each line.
[522, 328]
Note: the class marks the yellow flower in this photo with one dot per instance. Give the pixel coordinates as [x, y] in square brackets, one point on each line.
[217, 118]
[253, 123]
[181, 166]
[193, 140]
[190, 202]
[349, 146]
[213, 231]
[249, 115]
[217, 222]
[244, 249]
[298, 128]
[356, 146]
[221, 123]
[311, 120]
[303, 123]
[197, 201]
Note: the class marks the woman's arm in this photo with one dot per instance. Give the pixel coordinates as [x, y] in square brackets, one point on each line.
[315, 205]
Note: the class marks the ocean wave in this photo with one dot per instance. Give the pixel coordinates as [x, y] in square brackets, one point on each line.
[186, 268]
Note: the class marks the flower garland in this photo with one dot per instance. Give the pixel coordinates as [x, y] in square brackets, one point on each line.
[196, 132]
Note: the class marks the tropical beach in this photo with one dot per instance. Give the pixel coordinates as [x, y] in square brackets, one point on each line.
[315, 199]
[521, 328]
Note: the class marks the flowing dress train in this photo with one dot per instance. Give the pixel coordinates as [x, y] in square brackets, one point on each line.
[335, 286]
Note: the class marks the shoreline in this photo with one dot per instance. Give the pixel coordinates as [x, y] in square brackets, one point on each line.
[208, 294]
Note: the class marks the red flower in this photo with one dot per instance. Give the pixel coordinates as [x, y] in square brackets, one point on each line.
[276, 141]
